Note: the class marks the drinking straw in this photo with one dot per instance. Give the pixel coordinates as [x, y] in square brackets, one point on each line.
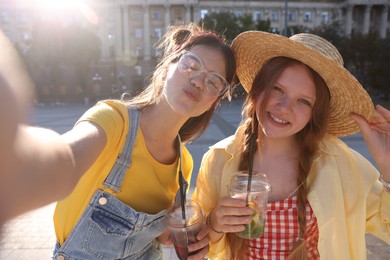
[181, 185]
[182, 191]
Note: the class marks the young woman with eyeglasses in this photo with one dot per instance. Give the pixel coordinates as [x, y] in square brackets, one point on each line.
[130, 173]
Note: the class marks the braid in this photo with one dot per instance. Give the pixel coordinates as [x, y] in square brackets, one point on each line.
[238, 246]
[244, 163]
[309, 139]
[299, 249]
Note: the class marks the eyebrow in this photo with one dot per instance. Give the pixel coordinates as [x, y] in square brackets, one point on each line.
[204, 66]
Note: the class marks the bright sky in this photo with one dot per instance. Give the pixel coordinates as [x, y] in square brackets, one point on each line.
[63, 6]
[57, 4]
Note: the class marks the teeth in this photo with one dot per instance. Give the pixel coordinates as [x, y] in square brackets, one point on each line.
[280, 121]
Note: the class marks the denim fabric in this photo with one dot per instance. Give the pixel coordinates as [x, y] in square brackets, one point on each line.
[113, 231]
[110, 229]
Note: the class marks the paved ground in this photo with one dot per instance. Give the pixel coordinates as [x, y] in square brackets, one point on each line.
[31, 236]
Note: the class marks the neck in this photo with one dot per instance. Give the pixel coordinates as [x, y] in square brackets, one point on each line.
[278, 147]
[159, 123]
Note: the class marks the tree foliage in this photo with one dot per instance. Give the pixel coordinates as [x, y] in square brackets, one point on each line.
[225, 24]
[54, 46]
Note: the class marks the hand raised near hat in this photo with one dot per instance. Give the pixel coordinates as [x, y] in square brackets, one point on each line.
[376, 134]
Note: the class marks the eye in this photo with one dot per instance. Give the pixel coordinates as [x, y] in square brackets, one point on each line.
[305, 102]
[277, 89]
[211, 83]
[191, 62]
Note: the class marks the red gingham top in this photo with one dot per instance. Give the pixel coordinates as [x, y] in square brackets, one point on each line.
[282, 230]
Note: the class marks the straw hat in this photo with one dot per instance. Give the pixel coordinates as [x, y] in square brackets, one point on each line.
[253, 48]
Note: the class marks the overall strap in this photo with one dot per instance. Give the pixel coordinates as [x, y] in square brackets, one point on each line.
[123, 161]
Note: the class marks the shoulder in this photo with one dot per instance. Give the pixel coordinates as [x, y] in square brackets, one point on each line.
[112, 110]
[344, 155]
[223, 151]
[231, 143]
[111, 115]
[335, 146]
[224, 143]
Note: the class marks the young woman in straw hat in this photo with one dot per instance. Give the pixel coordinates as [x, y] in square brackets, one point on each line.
[324, 196]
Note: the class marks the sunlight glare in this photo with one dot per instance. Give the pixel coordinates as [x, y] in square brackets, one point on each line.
[55, 6]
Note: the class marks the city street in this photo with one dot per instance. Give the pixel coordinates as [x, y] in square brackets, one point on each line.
[31, 236]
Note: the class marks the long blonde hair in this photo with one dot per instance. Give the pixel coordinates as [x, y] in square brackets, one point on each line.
[308, 139]
[178, 38]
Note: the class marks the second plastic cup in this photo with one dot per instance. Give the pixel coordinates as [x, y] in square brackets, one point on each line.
[184, 233]
[257, 200]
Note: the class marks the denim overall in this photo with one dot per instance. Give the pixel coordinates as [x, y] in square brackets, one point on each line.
[110, 229]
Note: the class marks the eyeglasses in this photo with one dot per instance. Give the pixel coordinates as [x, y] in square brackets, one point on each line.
[191, 66]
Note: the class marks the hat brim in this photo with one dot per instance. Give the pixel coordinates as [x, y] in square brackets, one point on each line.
[254, 48]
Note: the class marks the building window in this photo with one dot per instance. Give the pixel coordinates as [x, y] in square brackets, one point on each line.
[203, 13]
[157, 15]
[256, 16]
[138, 70]
[178, 14]
[274, 16]
[291, 16]
[325, 17]
[23, 18]
[239, 13]
[308, 17]
[138, 33]
[138, 51]
[4, 18]
[157, 33]
[138, 15]
[111, 17]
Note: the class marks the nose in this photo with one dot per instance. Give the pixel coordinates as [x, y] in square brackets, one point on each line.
[285, 104]
[198, 80]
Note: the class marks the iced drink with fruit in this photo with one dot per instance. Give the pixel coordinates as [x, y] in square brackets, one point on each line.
[257, 198]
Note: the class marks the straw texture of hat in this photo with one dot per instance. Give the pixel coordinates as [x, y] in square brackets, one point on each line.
[253, 49]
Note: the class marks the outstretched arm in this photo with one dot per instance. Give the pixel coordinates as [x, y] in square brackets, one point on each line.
[37, 165]
[376, 134]
[45, 166]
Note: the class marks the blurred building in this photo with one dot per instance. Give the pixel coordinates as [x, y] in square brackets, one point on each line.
[128, 29]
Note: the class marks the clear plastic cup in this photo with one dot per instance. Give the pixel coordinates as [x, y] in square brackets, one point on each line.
[257, 200]
[184, 233]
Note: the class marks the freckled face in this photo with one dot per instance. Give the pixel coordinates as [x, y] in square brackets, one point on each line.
[187, 96]
[290, 105]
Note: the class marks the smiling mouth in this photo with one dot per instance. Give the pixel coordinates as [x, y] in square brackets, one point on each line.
[278, 120]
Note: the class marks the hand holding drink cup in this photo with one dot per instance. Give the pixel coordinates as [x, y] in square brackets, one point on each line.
[256, 196]
[189, 234]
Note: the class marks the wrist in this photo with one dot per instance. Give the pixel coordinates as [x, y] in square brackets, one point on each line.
[386, 185]
[210, 224]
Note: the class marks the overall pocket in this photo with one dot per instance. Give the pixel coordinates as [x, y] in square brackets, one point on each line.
[107, 234]
[115, 230]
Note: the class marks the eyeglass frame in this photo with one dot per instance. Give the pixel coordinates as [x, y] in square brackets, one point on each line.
[199, 71]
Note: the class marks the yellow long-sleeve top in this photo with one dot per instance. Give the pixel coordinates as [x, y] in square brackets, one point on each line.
[344, 193]
[148, 186]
